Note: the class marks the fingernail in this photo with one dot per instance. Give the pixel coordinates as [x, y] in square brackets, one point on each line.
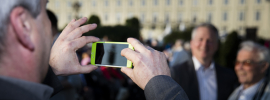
[93, 25]
[84, 18]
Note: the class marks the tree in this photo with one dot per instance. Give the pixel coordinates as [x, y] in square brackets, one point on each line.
[228, 52]
[133, 22]
[185, 35]
[94, 19]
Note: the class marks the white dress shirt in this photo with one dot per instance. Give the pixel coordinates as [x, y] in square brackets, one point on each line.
[206, 80]
[248, 93]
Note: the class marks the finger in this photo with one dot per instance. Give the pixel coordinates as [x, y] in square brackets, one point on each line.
[131, 55]
[80, 30]
[73, 25]
[82, 41]
[86, 69]
[128, 72]
[138, 46]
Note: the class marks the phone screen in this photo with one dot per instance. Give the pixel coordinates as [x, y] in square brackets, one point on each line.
[110, 54]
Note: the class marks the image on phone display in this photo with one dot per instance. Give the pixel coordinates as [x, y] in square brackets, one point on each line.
[110, 54]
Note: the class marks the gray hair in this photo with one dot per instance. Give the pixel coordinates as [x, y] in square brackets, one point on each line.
[260, 50]
[211, 27]
[6, 6]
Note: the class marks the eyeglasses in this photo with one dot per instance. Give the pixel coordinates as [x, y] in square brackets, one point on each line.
[246, 63]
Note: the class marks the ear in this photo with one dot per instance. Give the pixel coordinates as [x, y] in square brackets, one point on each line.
[20, 22]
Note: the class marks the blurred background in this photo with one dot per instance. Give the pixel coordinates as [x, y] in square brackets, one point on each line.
[159, 23]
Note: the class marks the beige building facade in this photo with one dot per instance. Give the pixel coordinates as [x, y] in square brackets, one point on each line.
[158, 17]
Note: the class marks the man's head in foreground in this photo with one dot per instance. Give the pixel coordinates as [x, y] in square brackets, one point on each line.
[204, 42]
[252, 63]
[25, 39]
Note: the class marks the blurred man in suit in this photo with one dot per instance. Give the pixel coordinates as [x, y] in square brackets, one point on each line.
[200, 77]
[251, 68]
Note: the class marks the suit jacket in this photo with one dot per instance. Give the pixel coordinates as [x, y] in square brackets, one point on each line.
[185, 75]
[164, 88]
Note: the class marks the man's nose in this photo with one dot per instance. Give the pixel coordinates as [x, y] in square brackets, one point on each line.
[240, 65]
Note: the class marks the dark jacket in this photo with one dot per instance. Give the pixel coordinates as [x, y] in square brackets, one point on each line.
[164, 88]
[185, 75]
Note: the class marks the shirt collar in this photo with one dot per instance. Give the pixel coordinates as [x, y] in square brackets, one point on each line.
[198, 65]
[39, 90]
[250, 91]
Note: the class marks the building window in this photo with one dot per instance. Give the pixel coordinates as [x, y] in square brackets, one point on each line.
[69, 3]
[130, 2]
[181, 2]
[225, 16]
[155, 2]
[241, 16]
[118, 2]
[210, 2]
[226, 2]
[209, 17]
[155, 18]
[167, 18]
[258, 1]
[168, 2]
[106, 3]
[118, 17]
[143, 2]
[106, 17]
[195, 2]
[242, 1]
[180, 17]
[130, 15]
[81, 3]
[93, 3]
[57, 4]
[194, 20]
[258, 15]
[225, 29]
[142, 18]
[69, 17]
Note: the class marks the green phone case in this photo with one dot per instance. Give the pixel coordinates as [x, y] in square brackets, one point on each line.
[93, 53]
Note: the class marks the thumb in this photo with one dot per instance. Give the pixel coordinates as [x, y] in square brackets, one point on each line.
[128, 72]
[86, 69]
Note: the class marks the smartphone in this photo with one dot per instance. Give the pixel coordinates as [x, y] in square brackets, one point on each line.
[109, 54]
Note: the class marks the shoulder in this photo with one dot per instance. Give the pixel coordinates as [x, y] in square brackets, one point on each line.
[163, 87]
[267, 92]
[8, 89]
[183, 65]
[234, 94]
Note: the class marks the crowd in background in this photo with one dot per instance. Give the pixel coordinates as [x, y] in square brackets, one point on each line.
[107, 83]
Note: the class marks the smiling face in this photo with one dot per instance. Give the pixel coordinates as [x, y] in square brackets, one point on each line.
[248, 68]
[204, 44]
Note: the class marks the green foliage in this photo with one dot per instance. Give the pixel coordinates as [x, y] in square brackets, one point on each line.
[184, 35]
[94, 19]
[116, 33]
[228, 50]
[133, 22]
